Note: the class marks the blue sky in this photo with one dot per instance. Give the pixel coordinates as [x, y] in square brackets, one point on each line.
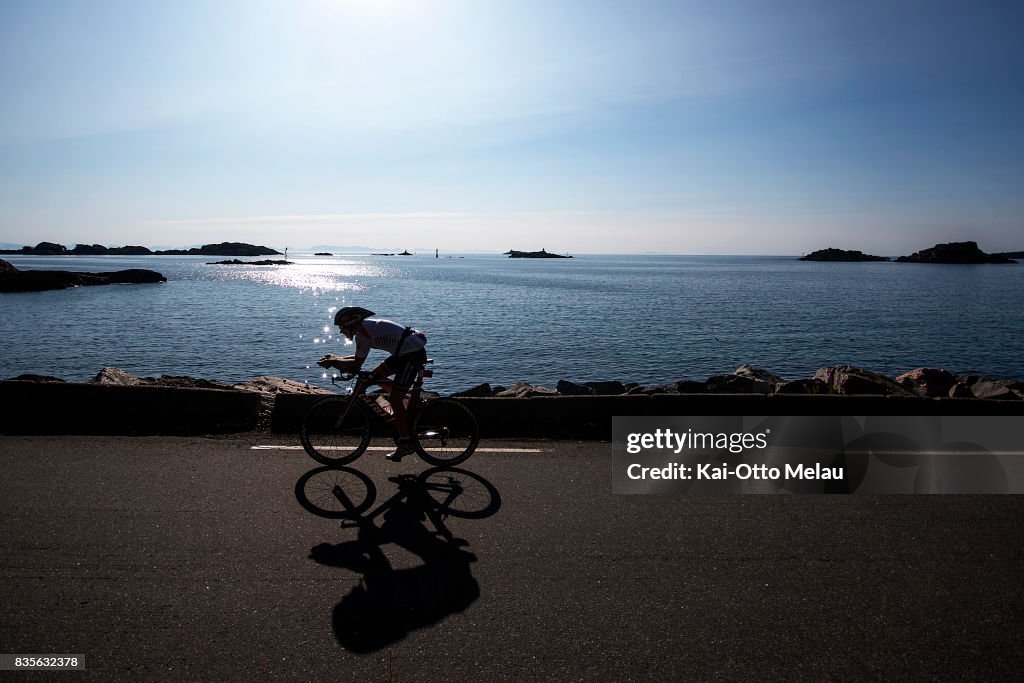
[722, 127]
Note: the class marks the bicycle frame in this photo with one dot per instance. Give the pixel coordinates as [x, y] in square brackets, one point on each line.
[365, 380]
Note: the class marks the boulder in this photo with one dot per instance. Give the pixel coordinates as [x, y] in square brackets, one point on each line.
[737, 384]
[996, 389]
[802, 386]
[689, 386]
[849, 379]
[753, 372]
[479, 391]
[961, 390]
[116, 376]
[929, 382]
[612, 388]
[567, 388]
[526, 390]
[652, 390]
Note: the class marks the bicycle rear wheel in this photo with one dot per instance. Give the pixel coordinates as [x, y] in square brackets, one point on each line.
[335, 492]
[332, 439]
[445, 432]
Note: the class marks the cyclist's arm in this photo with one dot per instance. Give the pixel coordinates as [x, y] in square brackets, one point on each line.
[349, 363]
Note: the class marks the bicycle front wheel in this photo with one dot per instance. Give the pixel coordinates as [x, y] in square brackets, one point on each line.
[460, 493]
[445, 432]
[335, 432]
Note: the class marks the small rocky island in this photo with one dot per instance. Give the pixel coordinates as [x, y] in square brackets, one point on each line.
[954, 252]
[220, 249]
[14, 280]
[831, 254]
[534, 254]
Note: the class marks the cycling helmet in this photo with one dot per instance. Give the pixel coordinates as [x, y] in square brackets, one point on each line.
[351, 314]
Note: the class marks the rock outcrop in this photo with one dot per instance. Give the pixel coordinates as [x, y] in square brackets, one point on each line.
[931, 382]
[526, 390]
[954, 252]
[849, 379]
[14, 280]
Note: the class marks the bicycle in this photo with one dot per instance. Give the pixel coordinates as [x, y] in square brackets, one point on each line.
[336, 430]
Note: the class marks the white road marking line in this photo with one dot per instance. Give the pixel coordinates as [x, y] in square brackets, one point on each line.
[285, 447]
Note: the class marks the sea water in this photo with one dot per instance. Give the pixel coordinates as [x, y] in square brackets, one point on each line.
[637, 318]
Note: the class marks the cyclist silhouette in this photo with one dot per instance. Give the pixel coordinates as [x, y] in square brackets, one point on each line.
[408, 356]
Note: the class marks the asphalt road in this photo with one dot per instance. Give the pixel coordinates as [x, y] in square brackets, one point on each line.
[191, 559]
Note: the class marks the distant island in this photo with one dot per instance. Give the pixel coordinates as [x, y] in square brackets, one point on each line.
[404, 253]
[221, 249]
[534, 254]
[236, 262]
[831, 254]
[954, 252]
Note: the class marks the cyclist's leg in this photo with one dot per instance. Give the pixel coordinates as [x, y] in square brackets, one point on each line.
[405, 369]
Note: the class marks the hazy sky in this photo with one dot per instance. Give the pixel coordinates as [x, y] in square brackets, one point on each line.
[763, 126]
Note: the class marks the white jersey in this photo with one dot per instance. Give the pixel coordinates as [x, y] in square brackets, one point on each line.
[384, 335]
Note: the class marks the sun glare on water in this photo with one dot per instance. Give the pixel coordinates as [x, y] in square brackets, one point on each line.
[346, 276]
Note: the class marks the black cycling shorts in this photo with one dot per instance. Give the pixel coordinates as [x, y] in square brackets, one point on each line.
[406, 366]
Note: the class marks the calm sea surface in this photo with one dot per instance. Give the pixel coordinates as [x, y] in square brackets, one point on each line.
[648, 319]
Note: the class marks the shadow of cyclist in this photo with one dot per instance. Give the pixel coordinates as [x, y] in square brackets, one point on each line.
[389, 603]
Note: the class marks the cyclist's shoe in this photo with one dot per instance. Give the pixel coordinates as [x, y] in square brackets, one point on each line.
[403, 449]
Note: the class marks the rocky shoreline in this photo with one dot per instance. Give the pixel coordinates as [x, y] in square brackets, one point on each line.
[747, 379]
[840, 380]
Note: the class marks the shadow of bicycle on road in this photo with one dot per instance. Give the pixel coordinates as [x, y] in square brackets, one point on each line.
[388, 603]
